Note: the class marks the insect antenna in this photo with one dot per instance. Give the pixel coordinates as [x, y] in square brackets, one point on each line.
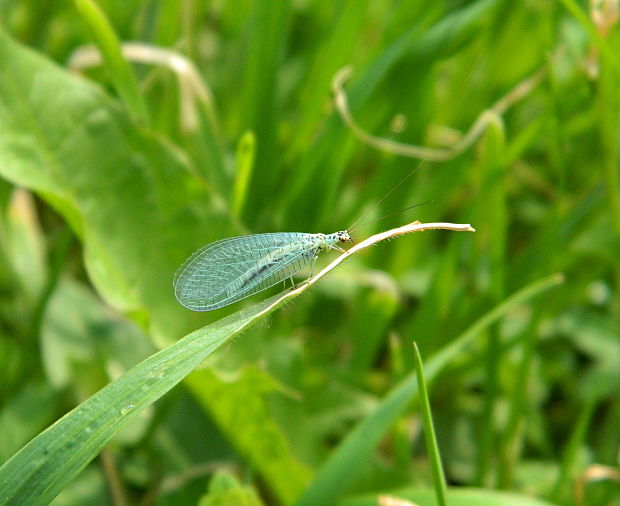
[356, 222]
[397, 212]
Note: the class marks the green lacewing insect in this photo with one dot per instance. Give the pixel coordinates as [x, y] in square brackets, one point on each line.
[233, 269]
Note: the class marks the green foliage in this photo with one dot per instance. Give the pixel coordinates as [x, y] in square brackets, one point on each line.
[110, 179]
[225, 490]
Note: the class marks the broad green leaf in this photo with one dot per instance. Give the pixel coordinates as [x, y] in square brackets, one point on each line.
[129, 197]
[225, 490]
[240, 409]
[78, 333]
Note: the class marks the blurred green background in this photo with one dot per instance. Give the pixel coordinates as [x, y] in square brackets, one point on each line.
[222, 123]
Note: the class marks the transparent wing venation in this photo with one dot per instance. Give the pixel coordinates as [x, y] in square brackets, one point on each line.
[232, 269]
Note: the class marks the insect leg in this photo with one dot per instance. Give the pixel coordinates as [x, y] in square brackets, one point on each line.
[316, 255]
[336, 247]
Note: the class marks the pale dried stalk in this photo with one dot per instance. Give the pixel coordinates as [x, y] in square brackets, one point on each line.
[192, 88]
[431, 154]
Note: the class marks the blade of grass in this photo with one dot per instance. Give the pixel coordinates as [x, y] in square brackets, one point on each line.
[439, 479]
[339, 470]
[246, 151]
[511, 438]
[608, 109]
[117, 66]
[561, 493]
[608, 101]
[529, 291]
[268, 31]
[46, 464]
[42, 468]
[492, 247]
[336, 50]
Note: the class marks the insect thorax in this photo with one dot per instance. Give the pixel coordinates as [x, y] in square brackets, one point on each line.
[330, 240]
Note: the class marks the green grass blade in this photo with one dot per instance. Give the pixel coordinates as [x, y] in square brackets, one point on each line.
[562, 489]
[246, 151]
[42, 468]
[45, 465]
[492, 246]
[110, 179]
[512, 434]
[268, 29]
[119, 70]
[608, 102]
[439, 479]
[337, 50]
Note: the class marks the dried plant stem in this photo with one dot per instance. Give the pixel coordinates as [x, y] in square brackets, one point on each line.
[192, 87]
[431, 154]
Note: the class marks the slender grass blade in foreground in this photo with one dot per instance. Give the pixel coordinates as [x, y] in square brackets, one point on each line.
[233, 269]
[439, 479]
